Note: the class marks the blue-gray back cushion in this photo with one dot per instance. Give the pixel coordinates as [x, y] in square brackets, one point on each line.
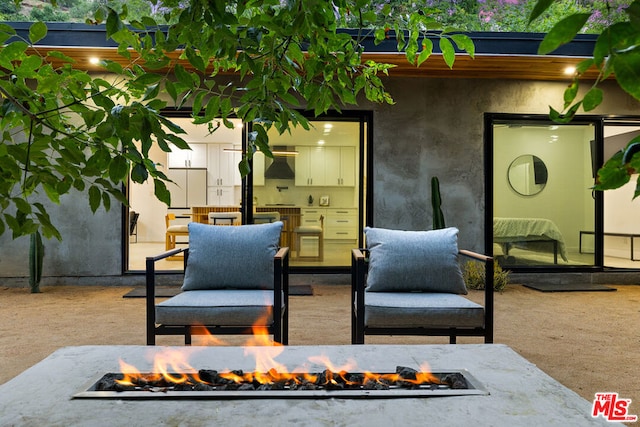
[424, 261]
[223, 257]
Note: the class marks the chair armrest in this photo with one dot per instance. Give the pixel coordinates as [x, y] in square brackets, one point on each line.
[475, 255]
[164, 255]
[150, 288]
[281, 272]
[358, 269]
[488, 288]
[282, 253]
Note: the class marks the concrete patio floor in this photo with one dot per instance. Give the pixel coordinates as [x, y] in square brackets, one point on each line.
[588, 341]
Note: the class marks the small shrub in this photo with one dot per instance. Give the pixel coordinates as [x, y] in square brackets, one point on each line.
[473, 274]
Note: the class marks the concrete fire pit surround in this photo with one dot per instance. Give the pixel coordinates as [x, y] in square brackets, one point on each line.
[520, 393]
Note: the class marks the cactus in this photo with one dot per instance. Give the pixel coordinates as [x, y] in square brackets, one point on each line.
[36, 255]
[436, 203]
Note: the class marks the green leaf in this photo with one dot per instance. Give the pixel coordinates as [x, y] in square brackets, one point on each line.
[171, 90]
[183, 76]
[12, 52]
[539, 9]
[425, 53]
[37, 32]
[94, 198]
[634, 14]
[465, 43]
[592, 99]
[195, 59]
[161, 191]
[563, 32]
[148, 79]
[139, 173]
[448, 52]
[52, 193]
[106, 201]
[571, 92]
[114, 23]
[556, 116]
[118, 169]
[627, 69]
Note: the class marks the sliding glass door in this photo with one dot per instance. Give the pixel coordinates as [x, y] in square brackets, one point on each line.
[544, 211]
[315, 185]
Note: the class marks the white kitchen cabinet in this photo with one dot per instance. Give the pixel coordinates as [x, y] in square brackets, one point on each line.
[223, 165]
[310, 167]
[194, 158]
[220, 196]
[223, 174]
[189, 187]
[311, 216]
[341, 224]
[325, 166]
[258, 168]
[340, 166]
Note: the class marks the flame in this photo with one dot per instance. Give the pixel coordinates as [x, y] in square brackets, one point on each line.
[171, 366]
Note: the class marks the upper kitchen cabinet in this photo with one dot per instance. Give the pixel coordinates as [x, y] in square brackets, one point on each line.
[194, 158]
[310, 167]
[340, 165]
[326, 166]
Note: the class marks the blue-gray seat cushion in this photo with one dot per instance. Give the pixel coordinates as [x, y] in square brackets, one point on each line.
[217, 307]
[417, 309]
[425, 261]
[231, 257]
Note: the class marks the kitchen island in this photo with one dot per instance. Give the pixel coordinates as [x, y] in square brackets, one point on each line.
[289, 215]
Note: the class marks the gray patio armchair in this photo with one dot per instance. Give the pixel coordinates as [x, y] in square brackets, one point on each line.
[235, 278]
[410, 283]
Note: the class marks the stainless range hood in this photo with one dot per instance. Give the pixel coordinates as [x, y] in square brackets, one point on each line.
[280, 168]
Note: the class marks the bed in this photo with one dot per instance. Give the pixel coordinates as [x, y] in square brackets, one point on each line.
[533, 234]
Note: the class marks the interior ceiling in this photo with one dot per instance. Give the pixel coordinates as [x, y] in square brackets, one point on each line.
[522, 67]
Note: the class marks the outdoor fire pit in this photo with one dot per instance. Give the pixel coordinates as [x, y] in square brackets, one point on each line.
[506, 389]
[211, 384]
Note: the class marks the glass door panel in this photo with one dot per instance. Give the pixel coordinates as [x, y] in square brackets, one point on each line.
[621, 233]
[544, 210]
[313, 183]
[205, 178]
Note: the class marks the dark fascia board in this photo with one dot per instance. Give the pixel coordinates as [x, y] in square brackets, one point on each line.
[66, 34]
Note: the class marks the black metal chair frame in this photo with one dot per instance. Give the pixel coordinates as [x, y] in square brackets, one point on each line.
[359, 266]
[279, 328]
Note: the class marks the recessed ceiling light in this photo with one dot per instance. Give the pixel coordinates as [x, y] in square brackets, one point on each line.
[94, 60]
[328, 125]
[569, 71]
[321, 142]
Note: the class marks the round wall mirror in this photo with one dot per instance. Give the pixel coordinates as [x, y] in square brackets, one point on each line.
[527, 175]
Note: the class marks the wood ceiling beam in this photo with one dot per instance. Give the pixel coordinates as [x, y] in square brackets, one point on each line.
[520, 67]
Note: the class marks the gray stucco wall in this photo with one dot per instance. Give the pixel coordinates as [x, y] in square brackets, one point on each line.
[90, 246]
[434, 129]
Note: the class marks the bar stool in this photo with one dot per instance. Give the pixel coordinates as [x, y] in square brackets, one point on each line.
[225, 218]
[173, 232]
[309, 231]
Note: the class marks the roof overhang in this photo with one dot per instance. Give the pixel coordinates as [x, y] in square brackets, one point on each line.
[498, 55]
